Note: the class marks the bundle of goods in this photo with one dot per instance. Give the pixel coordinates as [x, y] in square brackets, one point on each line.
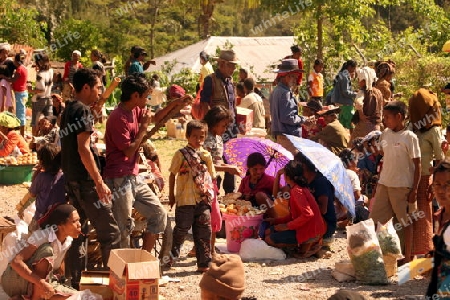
[390, 246]
[26, 159]
[365, 253]
[232, 205]
[14, 170]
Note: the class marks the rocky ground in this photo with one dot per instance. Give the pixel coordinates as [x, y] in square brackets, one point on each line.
[288, 279]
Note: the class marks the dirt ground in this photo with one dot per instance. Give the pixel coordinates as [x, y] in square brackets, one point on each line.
[288, 279]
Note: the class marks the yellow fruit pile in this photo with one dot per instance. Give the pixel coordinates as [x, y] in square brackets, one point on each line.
[239, 208]
[26, 159]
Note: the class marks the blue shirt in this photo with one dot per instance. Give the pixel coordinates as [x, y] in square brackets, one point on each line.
[343, 92]
[284, 112]
[135, 67]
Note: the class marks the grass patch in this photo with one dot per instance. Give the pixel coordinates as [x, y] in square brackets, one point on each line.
[166, 148]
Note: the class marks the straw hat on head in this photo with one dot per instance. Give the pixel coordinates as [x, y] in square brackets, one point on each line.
[228, 56]
[312, 105]
[288, 66]
[329, 110]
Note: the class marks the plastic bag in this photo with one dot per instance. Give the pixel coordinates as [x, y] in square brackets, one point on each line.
[85, 295]
[29, 213]
[255, 249]
[365, 253]
[389, 240]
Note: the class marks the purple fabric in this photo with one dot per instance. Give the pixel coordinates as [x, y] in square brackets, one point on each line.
[49, 190]
[237, 150]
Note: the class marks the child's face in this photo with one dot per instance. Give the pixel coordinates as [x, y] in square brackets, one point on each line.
[306, 111]
[197, 138]
[221, 127]
[256, 172]
[318, 68]
[441, 187]
[393, 121]
[44, 125]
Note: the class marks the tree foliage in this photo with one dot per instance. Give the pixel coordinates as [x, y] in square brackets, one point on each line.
[336, 30]
[20, 25]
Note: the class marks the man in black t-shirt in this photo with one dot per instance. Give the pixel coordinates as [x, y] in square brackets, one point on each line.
[81, 167]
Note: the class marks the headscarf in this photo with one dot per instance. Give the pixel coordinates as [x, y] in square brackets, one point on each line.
[384, 68]
[368, 74]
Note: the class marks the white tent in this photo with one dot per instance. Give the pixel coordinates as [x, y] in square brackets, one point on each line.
[258, 54]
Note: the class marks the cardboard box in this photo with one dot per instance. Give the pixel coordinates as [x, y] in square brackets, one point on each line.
[134, 274]
[97, 282]
[244, 119]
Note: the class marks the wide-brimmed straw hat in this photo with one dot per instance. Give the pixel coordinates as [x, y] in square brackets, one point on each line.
[328, 110]
[313, 105]
[288, 65]
[228, 56]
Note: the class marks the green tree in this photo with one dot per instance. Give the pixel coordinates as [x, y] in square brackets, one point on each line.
[18, 24]
[77, 35]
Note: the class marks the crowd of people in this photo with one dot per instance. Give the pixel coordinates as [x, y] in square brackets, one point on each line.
[390, 163]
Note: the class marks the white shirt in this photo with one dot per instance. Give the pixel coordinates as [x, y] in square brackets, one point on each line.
[356, 184]
[44, 82]
[48, 235]
[399, 148]
[250, 99]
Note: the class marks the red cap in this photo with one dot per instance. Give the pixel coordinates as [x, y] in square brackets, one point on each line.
[176, 91]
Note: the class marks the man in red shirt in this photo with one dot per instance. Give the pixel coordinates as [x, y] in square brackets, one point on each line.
[296, 54]
[125, 130]
[19, 86]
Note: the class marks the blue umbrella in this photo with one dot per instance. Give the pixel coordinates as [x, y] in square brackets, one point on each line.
[330, 166]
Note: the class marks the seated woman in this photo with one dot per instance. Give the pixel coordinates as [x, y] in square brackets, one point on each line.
[11, 142]
[257, 186]
[26, 274]
[304, 226]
